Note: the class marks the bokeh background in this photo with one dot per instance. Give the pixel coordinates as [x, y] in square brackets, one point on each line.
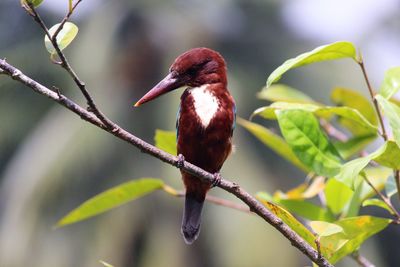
[51, 161]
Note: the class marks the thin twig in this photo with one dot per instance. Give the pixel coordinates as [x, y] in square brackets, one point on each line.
[220, 202]
[372, 94]
[65, 19]
[396, 173]
[226, 203]
[65, 64]
[362, 261]
[318, 244]
[383, 197]
[397, 179]
[254, 205]
[332, 131]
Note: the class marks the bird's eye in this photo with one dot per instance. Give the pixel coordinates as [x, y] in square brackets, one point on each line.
[192, 70]
[195, 68]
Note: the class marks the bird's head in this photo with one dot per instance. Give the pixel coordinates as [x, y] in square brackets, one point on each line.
[193, 68]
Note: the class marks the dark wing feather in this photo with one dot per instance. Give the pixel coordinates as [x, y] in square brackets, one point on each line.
[178, 115]
[234, 118]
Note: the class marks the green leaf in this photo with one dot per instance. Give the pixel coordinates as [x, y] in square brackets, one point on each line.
[324, 228]
[355, 121]
[385, 155]
[273, 141]
[392, 112]
[390, 157]
[322, 53]
[354, 145]
[282, 92]
[264, 196]
[166, 140]
[64, 37]
[350, 170]
[378, 203]
[302, 132]
[292, 222]
[353, 208]
[350, 114]
[306, 209]
[269, 112]
[35, 3]
[337, 195]
[357, 230]
[112, 198]
[305, 190]
[332, 243]
[355, 100]
[390, 187]
[391, 83]
[378, 176]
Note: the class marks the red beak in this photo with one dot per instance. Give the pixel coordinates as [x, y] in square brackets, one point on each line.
[166, 85]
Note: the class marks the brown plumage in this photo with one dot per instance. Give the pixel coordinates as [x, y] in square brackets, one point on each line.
[204, 125]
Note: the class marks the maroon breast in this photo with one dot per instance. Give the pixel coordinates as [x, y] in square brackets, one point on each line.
[206, 145]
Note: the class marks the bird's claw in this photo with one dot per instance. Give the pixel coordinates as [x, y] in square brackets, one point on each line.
[181, 161]
[217, 179]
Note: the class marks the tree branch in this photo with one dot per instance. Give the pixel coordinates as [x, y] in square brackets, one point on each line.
[332, 131]
[65, 19]
[384, 198]
[362, 261]
[122, 134]
[396, 173]
[66, 65]
[397, 179]
[372, 94]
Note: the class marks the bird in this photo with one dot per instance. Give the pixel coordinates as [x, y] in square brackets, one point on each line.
[205, 123]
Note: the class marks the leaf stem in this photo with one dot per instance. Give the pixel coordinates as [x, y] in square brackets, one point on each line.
[383, 197]
[65, 19]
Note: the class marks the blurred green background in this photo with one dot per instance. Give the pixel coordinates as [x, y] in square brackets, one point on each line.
[51, 161]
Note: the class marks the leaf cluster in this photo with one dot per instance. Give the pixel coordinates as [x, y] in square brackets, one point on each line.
[328, 143]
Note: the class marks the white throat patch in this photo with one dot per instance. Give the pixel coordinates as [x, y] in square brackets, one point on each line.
[205, 104]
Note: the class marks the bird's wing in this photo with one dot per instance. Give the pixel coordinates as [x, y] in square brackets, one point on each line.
[234, 117]
[178, 115]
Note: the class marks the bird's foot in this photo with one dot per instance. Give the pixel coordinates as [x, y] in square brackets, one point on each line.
[217, 179]
[181, 161]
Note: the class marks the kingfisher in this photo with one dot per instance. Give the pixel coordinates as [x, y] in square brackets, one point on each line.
[205, 124]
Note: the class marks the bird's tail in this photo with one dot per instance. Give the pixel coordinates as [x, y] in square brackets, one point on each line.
[192, 216]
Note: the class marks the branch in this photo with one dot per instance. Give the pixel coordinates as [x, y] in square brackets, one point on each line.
[65, 19]
[332, 131]
[384, 198]
[212, 199]
[65, 64]
[396, 173]
[372, 94]
[122, 134]
[397, 179]
[362, 261]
